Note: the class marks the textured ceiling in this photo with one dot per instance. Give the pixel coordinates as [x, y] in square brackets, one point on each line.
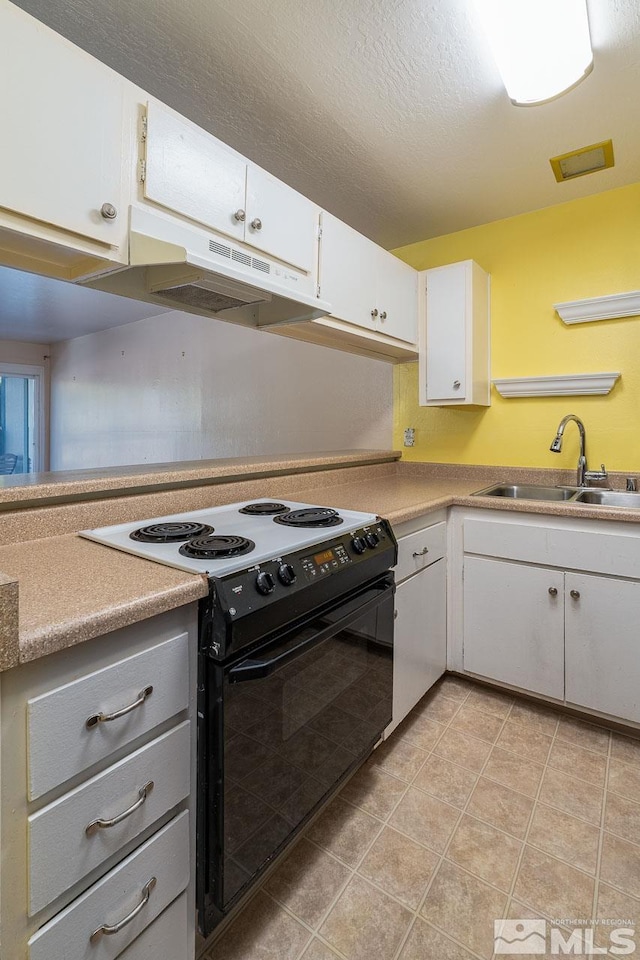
[388, 113]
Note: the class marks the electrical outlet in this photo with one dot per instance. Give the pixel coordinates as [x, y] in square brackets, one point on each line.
[409, 436]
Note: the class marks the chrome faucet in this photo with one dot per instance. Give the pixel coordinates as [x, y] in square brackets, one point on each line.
[584, 476]
[556, 444]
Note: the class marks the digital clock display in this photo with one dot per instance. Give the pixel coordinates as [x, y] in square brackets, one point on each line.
[325, 557]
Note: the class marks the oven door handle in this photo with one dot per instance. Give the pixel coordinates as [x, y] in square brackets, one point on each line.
[251, 669]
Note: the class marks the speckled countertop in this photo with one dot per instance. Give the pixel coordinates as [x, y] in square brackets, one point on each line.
[71, 589]
[74, 485]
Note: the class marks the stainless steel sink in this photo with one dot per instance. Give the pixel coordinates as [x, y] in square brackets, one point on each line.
[529, 491]
[609, 498]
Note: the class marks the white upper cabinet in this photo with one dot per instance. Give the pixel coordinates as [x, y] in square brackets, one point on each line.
[454, 357]
[397, 297]
[347, 272]
[62, 159]
[280, 222]
[366, 285]
[191, 173]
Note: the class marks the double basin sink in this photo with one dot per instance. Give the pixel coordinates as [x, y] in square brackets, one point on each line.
[588, 495]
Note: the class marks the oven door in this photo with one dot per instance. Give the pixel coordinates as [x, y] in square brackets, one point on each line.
[285, 726]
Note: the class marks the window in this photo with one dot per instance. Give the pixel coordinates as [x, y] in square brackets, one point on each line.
[21, 421]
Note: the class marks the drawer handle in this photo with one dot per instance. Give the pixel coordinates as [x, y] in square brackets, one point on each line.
[97, 718]
[421, 553]
[109, 929]
[100, 824]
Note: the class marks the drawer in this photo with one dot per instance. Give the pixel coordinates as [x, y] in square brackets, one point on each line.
[164, 857]
[615, 554]
[61, 744]
[167, 938]
[419, 549]
[57, 833]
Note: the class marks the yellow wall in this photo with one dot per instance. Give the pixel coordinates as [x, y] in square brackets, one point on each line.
[584, 248]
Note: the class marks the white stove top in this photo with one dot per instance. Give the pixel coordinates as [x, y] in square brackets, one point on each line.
[272, 540]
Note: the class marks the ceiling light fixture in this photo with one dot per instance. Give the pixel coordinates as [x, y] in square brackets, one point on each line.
[542, 47]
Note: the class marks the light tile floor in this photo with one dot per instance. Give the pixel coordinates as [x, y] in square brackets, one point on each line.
[480, 806]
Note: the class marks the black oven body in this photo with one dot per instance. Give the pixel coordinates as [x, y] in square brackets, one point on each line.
[285, 718]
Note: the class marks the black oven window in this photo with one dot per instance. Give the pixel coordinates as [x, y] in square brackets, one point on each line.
[291, 736]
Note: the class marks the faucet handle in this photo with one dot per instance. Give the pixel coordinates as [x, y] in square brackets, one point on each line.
[596, 476]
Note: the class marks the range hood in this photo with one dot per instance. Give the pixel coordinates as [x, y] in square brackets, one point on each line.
[192, 269]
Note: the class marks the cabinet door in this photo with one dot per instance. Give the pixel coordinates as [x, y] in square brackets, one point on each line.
[420, 638]
[396, 297]
[280, 221]
[192, 173]
[61, 118]
[514, 624]
[348, 272]
[603, 645]
[446, 347]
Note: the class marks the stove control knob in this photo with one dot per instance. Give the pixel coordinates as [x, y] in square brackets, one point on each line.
[286, 574]
[372, 540]
[265, 584]
[358, 544]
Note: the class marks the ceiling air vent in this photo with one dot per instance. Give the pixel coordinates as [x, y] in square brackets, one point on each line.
[578, 163]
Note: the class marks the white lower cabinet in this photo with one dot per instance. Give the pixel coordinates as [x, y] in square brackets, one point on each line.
[111, 914]
[514, 624]
[89, 824]
[602, 644]
[97, 829]
[532, 619]
[166, 937]
[420, 635]
[420, 641]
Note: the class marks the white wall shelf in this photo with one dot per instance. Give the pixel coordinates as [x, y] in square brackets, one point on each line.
[600, 308]
[566, 385]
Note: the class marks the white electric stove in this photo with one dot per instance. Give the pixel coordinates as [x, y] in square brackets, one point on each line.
[220, 540]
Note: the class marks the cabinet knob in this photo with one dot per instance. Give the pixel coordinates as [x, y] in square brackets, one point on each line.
[108, 211]
[239, 215]
[383, 315]
[374, 313]
[456, 384]
[553, 591]
[575, 594]
[256, 224]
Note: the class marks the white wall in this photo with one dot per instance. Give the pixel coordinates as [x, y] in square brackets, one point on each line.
[180, 387]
